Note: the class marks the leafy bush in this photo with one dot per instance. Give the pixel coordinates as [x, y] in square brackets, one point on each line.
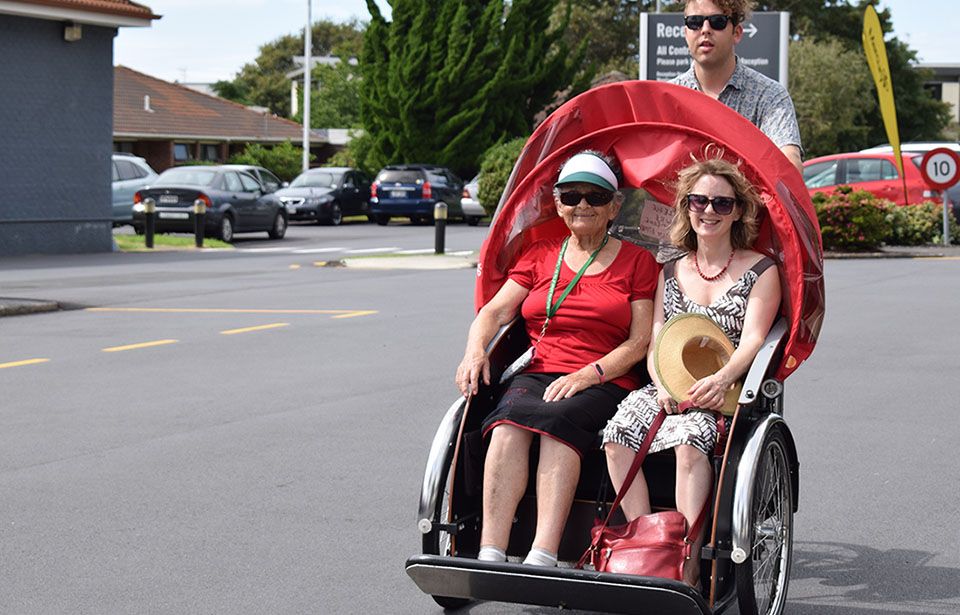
[851, 220]
[916, 225]
[284, 159]
[495, 170]
[355, 154]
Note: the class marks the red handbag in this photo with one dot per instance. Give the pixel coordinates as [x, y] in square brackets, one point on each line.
[654, 545]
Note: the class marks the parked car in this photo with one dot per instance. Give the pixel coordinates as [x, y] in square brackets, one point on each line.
[412, 190]
[327, 194]
[922, 147]
[130, 173]
[473, 211]
[236, 202]
[873, 172]
[269, 181]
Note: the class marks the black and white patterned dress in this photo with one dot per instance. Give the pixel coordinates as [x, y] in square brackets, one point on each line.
[697, 428]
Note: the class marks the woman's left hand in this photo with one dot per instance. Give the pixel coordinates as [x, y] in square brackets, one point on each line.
[569, 385]
[708, 393]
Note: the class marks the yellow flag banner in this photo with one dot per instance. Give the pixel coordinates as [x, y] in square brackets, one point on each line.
[876, 53]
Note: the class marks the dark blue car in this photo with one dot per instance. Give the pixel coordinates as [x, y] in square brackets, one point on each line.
[412, 191]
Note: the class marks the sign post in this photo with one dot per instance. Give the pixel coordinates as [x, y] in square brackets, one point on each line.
[940, 168]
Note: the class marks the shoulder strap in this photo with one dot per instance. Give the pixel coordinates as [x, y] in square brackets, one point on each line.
[762, 265]
[670, 268]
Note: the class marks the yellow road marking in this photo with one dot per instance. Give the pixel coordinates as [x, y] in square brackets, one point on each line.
[356, 313]
[258, 328]
[334, 313]
[20, 363]
[141, 345]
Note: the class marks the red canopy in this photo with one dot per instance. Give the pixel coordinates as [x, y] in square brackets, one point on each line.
[653, 129]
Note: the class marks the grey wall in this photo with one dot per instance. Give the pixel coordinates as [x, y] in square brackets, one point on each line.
[56, 125]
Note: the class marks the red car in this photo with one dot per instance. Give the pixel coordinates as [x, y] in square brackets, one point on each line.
[873, 172]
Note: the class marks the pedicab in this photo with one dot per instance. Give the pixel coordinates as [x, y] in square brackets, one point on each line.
[653, 129]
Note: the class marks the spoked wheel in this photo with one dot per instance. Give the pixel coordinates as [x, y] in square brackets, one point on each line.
[438, 542]
[226, 229]
[762, 579]
[336, 216]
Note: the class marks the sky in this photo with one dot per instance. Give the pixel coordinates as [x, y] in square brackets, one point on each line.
[210, 40]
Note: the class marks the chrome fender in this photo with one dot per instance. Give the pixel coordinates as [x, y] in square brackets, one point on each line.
[441, 453]
[744, 487]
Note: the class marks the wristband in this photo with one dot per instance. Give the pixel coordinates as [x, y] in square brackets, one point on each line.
[599, 369]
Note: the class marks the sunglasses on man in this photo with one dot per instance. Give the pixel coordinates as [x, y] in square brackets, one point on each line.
[717, 22]
[722, 205]
[595, 198]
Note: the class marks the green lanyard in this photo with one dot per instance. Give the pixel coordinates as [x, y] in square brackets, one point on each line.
[553, 307]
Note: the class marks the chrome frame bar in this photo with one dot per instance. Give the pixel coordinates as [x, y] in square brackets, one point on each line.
[743, 489]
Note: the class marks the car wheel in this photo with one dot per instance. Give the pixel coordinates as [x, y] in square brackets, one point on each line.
[139, 230]
[381, 219]
[473, 220]
[226, 229]
[279, 227]
[336, 216]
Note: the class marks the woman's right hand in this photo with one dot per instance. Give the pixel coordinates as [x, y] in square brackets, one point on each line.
[665, 401]
[473, 367]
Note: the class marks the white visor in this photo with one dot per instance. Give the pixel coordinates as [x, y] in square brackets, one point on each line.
[590, 169]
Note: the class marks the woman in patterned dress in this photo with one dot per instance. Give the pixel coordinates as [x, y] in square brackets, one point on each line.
[715, 220]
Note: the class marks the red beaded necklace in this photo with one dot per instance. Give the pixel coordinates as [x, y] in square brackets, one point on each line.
[712, 278]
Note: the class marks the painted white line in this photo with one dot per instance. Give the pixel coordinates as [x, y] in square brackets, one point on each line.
[420, 251]
[460, 253]
[263, 250]
[318, 250]
[372, 250]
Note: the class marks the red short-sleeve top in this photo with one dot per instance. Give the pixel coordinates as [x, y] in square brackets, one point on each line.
[594, 318]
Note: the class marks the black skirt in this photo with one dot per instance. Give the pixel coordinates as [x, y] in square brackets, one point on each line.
[574, 421]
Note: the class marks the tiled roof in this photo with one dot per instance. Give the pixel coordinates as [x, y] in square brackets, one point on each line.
[178, 111]
[123, 8]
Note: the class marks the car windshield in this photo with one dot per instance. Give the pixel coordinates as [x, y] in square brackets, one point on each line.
[401, 176]
[317, 180]
[188, 176]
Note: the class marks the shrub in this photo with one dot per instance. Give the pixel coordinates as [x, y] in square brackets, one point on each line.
[851, 220]
[285, 159]
[495, 170]
[916, 225]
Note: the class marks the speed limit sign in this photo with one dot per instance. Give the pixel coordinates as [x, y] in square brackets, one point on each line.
[941, 168]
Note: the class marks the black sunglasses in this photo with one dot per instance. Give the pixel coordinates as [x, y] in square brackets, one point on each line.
[722, 205]
[595, 198]
[717, 22]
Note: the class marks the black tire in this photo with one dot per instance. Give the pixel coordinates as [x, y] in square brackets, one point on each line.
[371, 218]
[225, 232]
[473, 220]
[437, 542]
[279, 228]
[139, 230]
[763, 578]
[335, 217]
[381, 219]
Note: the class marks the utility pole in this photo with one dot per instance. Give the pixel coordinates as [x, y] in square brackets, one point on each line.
[307, 44]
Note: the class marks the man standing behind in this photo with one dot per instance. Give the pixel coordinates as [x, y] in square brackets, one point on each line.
[713, 28]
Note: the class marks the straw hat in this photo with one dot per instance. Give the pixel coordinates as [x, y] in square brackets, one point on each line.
[690, 347]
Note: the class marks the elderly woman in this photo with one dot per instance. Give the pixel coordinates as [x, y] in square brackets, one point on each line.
[715, 220]
[587, 302]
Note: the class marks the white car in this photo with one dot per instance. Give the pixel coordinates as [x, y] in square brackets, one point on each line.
[473, 211]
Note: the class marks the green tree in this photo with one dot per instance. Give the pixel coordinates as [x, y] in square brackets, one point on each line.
[610, 29]
[830, 123]
[919, 115]
[335, 103]
[263, 82]
[444, 80]
[284, 159]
